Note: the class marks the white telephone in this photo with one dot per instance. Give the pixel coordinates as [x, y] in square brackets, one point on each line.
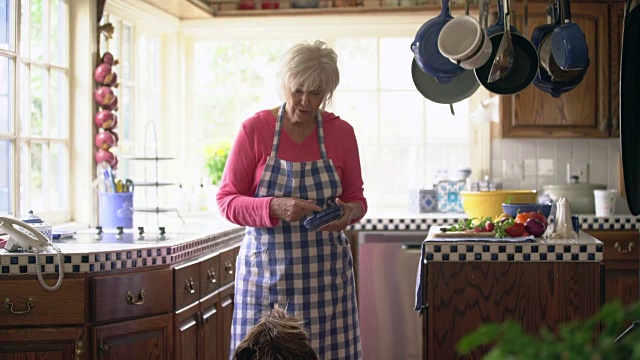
[31, 240]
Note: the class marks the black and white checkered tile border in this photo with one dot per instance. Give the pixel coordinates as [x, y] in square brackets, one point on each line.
[23, 263]
[587, 222]
[523, 252]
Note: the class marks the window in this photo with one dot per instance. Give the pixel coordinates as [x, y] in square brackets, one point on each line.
[34, 108]
[403, 138]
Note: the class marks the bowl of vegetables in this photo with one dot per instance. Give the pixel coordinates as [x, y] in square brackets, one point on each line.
[513, 210]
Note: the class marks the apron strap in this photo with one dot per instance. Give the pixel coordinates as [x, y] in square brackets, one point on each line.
[276, 134]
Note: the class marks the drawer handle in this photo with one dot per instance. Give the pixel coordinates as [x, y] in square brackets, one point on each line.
[131, 300]
[79, 350]
[30, 304]
[629, 248]
[228, 267]
[189, 286]
[212, 275]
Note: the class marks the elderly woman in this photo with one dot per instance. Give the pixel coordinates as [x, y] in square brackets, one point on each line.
[287, 164]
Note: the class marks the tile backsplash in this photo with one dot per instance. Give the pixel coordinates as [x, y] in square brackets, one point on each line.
[532, 163]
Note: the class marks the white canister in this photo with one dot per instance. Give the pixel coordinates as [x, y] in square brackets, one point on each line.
[605, 202]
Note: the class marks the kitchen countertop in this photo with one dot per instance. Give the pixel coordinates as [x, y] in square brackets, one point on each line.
[89, 252]
[584, 248]
[404, 220]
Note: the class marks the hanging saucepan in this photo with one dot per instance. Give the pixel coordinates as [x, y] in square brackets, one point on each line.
[568, 43]
[630, 104]
[458, 89]
[524, 68]
[425, 48]
[551, 78]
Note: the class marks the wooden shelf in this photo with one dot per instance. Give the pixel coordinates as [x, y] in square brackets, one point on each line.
[328, 11]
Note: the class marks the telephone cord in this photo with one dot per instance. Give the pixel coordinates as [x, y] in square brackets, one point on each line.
[60, 271]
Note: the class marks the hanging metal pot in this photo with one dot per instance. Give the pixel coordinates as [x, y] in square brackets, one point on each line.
[458, 89]
[427, 54]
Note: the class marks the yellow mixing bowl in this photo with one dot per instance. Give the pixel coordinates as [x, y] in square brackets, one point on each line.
[482, 204]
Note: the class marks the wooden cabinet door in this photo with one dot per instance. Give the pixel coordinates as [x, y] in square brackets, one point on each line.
[210, 336]
[145, 338]
[226, 315]
[186, 330]
[45, 343]
[581, 112]
[621, 262]
[617, 23]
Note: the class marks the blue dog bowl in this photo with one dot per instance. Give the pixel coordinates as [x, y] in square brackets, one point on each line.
[515, 209]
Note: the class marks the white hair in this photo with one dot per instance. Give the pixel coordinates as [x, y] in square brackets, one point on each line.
[310, 67]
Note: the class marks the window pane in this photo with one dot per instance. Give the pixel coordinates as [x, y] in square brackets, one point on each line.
[400, 123]
[6, 164]
[58, 25]
[395, 64]
[216, 64]
[24, 28]
[37, 98]
[36, 193]
[5, 27]
[125, 116]
[24, 99]
[58, 180]
[358, 62]
[355, 108]
[36, 29]
[127, 49]
[5, 94]
[258, 64]
[58, 119]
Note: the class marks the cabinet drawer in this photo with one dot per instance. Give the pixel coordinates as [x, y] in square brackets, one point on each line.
[619, 245]
[187, 284]
[228, 265]
[209, 275]
[25, 302]
[132, 295]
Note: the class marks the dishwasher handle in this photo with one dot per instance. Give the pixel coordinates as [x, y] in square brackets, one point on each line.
[412, 247]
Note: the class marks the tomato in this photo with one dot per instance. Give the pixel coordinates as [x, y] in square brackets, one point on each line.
[515, 230]
[523, 217]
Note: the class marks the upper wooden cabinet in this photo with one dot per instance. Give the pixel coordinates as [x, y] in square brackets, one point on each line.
[581, 112]
[617, 22]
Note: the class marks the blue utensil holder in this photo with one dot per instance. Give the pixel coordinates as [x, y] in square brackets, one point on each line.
[115, 209]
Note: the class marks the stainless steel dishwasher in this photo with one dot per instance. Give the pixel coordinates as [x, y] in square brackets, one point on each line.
[387, 268]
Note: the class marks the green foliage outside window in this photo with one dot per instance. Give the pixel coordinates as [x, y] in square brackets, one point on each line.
[575, 340]
[215, 160]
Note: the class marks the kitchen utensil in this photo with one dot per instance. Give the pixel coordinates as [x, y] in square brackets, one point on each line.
[524, 67]
[503, 60]
[460, 87]
[425, 48]
[481, 204]
[465, 42]
[605, 202]
[630, 105]
[568, 43]
[513, 209]
[579, 195]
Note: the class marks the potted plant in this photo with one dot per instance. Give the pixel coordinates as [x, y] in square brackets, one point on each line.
[574, 340]
[215, 161]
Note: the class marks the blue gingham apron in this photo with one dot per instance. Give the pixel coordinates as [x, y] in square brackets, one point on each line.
[309, 273]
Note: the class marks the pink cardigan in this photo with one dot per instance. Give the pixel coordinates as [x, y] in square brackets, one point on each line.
[249, 154]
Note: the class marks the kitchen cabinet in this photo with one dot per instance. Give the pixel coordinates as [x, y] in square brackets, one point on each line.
[582, 112]
[37, 323]
[148, 338]
[622, 264]
[204, 291]
[616, 13]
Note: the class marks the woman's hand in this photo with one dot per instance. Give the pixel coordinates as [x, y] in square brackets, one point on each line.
[350, 213]
[292, 209]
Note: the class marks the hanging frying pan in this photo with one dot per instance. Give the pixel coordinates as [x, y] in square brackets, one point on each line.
[427, 54]
[460, 87]
[630, 104]
[524, 68]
